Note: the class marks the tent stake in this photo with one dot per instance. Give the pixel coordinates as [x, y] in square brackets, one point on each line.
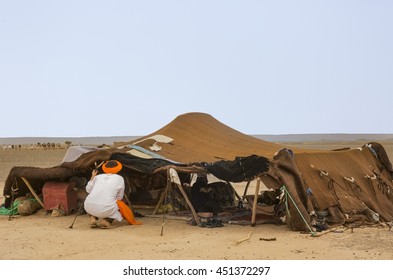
[162, 225]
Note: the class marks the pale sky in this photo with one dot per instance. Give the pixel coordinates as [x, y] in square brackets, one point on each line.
[122, 68]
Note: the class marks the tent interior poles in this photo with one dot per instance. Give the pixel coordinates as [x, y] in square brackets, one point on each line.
[254, 206]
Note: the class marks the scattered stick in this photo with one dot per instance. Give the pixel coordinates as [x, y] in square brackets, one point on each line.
[244, 239]
[341, 228]
[268, 239]
[389, 224]
[170, 217]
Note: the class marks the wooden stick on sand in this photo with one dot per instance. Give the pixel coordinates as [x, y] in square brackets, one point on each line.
[244, 239]
[331, 230]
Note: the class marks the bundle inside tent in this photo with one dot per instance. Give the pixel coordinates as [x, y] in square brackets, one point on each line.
[307, 189]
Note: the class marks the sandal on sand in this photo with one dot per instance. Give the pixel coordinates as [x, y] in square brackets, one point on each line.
[93, 222]
[104, 224]
[212, 223]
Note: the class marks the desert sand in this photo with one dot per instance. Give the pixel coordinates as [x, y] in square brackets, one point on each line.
[44, 237]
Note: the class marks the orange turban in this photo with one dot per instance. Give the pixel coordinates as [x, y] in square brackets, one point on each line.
[112, 166]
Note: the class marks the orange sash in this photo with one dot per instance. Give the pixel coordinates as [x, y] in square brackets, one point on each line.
[126, 213]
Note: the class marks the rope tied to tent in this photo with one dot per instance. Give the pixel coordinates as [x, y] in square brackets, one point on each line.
[381, 184]
[350, 179]
[287, 194]
[354, 186]
[323, 173]
[330, 184]
[374, 177]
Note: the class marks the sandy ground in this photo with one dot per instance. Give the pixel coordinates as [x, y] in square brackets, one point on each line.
[43, 237]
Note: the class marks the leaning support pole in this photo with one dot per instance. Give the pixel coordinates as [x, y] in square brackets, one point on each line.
[246, 189]
[32, 191]
[175, 179]
[126, 196]
[194, 214]
[234, 191]
[255, 202]
[160, 201]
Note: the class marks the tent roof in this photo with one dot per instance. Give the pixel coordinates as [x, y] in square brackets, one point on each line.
[200, 137]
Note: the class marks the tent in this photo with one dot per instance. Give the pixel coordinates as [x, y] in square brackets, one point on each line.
[351, 186]
[312, 187]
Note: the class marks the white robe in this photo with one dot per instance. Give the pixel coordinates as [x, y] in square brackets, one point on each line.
[103, 191]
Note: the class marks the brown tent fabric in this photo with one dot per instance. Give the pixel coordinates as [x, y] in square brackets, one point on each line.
[199, 137]
[351, 185]
[286, 172]
[83, 166]
[347, 184]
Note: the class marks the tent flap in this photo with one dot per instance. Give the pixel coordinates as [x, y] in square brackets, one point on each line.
[239, 170]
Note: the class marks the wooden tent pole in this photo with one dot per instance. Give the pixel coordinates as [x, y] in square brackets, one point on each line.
[236, 194]
[246, 189]
[33, 192]
[126, 196]
[168, 185]
[197, 220]
[254, 205]
[170, 195]
[180, 187]
[163, 194]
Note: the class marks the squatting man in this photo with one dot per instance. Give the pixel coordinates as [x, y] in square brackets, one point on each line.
[103, 192]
